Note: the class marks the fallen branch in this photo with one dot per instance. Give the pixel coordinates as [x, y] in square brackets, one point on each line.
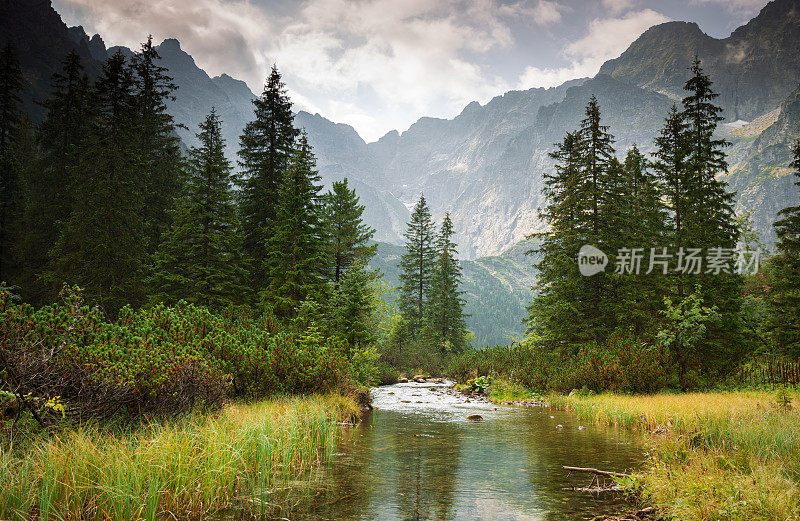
[598, 472]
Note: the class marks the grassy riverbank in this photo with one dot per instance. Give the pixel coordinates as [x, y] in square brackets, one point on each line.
[248, 456]
[714, 456]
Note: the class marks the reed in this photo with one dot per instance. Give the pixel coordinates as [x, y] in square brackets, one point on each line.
[254, 458]
[731, 456]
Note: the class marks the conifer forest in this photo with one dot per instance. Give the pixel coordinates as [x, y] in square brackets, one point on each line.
[575, 298]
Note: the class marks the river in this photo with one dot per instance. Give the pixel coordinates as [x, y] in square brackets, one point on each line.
[416, 456]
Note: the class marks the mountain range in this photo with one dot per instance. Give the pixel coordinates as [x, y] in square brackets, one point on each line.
[485, 166]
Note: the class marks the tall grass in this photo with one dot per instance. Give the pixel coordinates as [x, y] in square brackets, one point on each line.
[249, 457]
[731, 456]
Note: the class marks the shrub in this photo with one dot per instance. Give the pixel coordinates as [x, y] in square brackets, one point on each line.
[623, 364]
[162, 360]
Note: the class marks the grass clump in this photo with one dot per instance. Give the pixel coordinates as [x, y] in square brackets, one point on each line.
[503, 390]
[251, 457]
[717, 456]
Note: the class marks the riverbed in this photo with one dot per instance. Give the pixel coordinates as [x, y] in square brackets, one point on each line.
[417, 456]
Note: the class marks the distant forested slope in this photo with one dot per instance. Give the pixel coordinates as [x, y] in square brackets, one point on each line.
[497, 290]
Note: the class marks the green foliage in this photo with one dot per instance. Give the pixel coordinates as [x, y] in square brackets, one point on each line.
[267, 146]
[347, 236]
[49, 198]
[623, 208]
[10, 182]
[103, 246]
[685, 327]
[445, 324]
[199, 258]
[417, 265]
[295, 250]
[623, 363]
[784, 275]
[353, 306]
[479, 385]
[163, 360]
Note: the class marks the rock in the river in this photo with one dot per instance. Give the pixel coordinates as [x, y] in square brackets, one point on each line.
[559, 426]
[475, 418]
[402, 380]
[419, 378]
[581, 428]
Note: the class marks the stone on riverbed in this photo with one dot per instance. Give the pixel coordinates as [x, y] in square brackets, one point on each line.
[475, 418]
[420, 378]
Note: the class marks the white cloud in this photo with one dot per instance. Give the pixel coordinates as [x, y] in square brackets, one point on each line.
[543, 12]
[400, 59]
[223, 36]
[745, 9]
[606, 39]
[618, 6]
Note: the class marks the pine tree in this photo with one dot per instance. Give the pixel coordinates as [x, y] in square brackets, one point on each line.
[48, 196]
[785, 275]
[295, 251]
[417, 266]
[267, 145]
[354, 305]
[103, 245]
[583, 197]
[10, 185]
[641, 216]
[671, 168]
[445, 313]
[157, 145]
[549, 313]
[348, 237]
[711, 220]
[199, 258]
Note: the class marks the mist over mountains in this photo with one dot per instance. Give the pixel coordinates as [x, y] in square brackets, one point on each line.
[485, 166]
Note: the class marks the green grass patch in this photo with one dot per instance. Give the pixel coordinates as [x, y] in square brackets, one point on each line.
[249, 457]
[714, 456]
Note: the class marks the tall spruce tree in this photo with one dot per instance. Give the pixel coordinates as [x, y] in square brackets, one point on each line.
[267, 145]
[10, 183]
[641, 215]
[558, 248]
[348, 237]
[102, 247]
[199, 259]
[296, 249]
[157, 145]
[417, 265]
[583, 191]
[711, 222]
[785, 275]
[49, 197]
[445, 307]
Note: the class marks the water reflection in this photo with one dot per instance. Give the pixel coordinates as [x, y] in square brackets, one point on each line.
[414, 461]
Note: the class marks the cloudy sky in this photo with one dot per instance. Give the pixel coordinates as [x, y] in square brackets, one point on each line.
[381, 64]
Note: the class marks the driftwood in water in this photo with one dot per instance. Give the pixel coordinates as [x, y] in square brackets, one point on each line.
[598, 472]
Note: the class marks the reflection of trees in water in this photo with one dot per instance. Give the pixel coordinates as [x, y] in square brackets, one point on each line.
[547, 449]
[405, 466]
[344, 487]
[425, 470]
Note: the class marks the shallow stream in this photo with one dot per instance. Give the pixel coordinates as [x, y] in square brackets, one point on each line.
[416, 456]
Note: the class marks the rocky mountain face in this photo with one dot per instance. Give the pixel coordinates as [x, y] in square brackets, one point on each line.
[760, 171]
[41, 41]
[753, 69]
